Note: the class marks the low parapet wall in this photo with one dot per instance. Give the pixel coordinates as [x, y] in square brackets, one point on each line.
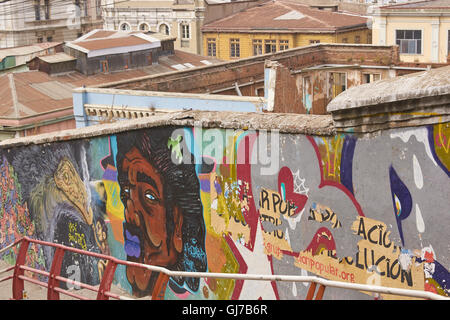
[229, 192]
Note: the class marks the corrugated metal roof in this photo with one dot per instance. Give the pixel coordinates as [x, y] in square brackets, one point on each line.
[55, 89]
[32, 93]
[99, 44]
[20, 51]
[57, 57]
[284, 16]
[104, 39]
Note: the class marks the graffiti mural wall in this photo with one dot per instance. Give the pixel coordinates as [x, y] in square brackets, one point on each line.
[362, 210]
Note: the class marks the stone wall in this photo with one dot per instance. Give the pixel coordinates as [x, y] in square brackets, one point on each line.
[229, 192]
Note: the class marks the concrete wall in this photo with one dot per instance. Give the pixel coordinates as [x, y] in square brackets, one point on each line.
[217, 192]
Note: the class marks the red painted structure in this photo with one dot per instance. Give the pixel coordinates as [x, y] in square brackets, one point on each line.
[103, 290]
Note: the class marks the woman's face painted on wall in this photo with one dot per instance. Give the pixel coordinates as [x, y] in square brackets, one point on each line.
[146, 238]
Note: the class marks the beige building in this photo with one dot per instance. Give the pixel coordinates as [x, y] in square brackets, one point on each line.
[420, 29]
[178, 18]
[280, 25]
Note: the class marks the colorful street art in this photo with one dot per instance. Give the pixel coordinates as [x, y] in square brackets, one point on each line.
[371, 211]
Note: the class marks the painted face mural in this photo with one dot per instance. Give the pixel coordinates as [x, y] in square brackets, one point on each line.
[370, 210]
[163, 214]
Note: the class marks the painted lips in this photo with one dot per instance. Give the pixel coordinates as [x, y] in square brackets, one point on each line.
[132, 245]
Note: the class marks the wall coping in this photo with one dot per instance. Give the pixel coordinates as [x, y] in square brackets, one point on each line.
[414, 86]
[292, 52]
[321, 125]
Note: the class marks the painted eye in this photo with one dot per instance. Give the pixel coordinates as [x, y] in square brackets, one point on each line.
[150, 196]
[125, 193]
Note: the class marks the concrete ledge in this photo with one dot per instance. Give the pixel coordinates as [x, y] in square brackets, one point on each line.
[435, 82]
[416, 99]
[321, 125]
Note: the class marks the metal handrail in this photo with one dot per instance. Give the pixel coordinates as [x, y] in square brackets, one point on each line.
[104, 293]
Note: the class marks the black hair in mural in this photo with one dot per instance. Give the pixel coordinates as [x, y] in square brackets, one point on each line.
[180, 187]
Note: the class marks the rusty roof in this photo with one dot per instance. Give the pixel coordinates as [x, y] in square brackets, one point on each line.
[34, 93]
[285, 16]
[99, 44]
[101, 34]
[57, 58]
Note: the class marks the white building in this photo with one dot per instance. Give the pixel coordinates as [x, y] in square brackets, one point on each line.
[179, 18]
[25, 22]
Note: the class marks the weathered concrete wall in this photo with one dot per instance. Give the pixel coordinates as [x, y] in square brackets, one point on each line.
[299, 199]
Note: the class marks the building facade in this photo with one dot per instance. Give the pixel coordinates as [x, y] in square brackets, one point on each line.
[420, 29]
[280, 25]
[28, 22]
[179, 18]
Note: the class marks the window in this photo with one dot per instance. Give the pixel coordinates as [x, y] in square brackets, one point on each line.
[284, 45]
[37, 9]
[235, 50]
[98, 7]
[164, 29]
[85, 7]
[307, 94]
[211, 43]
[371, 77]
[448, 43]
[104, 66]
[125, 26]
[338, 83]
[270, 46]
[314, 41]
[47, 9]
[144, 27]
[257, 47]
[40, 39]
[357, 39]
[185, 32]
[49, 39]
[409, 41]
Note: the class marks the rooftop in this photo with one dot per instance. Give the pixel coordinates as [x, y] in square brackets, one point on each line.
[119, 41]
[19, 51]
[28, 94]
[429, 4]
[285, 16]
[57, 57]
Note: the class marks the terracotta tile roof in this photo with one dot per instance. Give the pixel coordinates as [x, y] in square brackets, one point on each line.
[284, 16]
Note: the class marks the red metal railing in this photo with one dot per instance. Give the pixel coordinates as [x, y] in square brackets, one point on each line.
[54, 277]
[103, 290]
